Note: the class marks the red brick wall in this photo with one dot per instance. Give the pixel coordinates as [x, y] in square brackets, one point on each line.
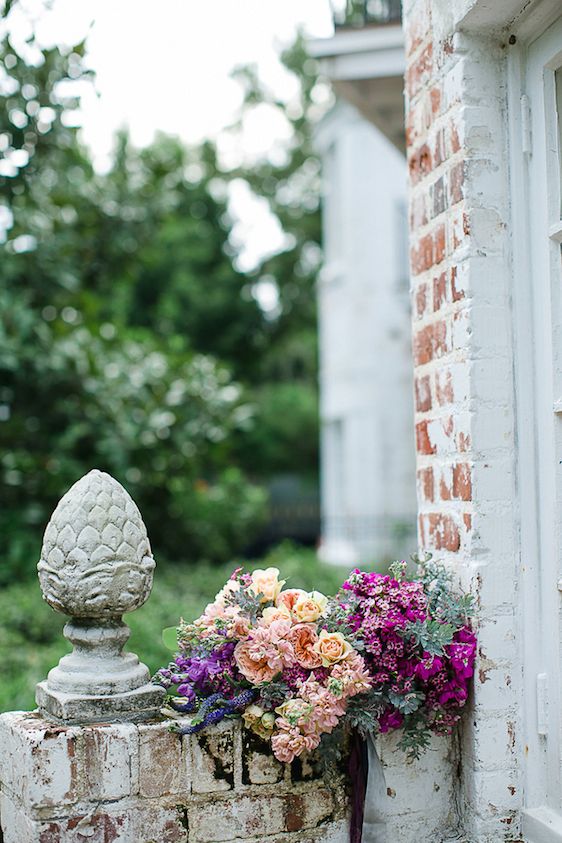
[439, 231]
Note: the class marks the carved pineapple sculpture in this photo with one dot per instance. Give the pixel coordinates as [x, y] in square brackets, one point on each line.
[96, 564]
[96, 559]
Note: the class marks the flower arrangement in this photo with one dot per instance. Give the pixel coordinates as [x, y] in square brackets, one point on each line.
[384, 653]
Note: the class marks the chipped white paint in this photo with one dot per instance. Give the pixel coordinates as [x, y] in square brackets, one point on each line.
[142, 784]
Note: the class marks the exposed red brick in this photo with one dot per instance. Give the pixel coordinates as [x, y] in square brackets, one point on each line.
[463, 442]
[421, 300]
[444, 487]
[51, 834]
[420, 163]
[439, 339]
[423, 442]
[443, 532]
[435, 98]
[422, 256]
[439, 244]
[419, 72]
[456, 182]
[429, 342]
[423, 346]
[467, 518]
[426, 484]
[439, 291]
[423, 394]
[462, 481]
[456, 295]
[454, 140]
[294, 811]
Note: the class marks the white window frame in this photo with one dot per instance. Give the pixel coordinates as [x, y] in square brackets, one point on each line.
[537, 233]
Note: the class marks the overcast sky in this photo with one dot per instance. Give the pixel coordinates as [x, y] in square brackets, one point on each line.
[166, 65]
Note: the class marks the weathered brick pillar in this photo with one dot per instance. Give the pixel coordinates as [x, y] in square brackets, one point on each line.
[96, 763]
[140, 783]
[463, 356]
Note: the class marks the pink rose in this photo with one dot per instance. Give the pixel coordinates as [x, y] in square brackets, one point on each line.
[256, 670]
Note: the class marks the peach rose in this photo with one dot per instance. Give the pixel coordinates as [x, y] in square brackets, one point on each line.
[289, 597]
[303, 637]
[255, 670]
[309, 608]
[240, 628]
[266, 583]
[332, 647]
[274, 613]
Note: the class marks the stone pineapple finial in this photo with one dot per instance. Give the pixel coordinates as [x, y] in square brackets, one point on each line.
[96, 564]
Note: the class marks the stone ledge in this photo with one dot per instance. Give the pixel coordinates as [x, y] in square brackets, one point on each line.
[140, 783]
[134, 706]
[148, 785]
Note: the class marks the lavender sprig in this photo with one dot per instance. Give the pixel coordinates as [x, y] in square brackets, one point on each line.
[206, 716]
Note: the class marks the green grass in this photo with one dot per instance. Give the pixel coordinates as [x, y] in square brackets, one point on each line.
[31, 640]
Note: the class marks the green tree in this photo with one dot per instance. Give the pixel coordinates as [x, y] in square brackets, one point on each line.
[108, 299]
[285, 436]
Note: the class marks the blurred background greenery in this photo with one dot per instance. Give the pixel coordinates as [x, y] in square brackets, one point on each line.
[131, 341]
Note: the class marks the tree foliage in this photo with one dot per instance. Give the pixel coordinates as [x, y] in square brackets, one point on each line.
[290, 182]
[129, 340]
[114, 291]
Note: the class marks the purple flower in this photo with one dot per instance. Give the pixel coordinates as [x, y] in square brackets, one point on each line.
[462, 659]
[390, 719]
[453, 693]
[185, 690]
[428, 667]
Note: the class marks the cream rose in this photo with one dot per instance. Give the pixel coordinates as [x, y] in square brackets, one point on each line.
[309, 608]
[275, 613]
[332, 647]
[259, 721]
[267, 584]
[293, 710]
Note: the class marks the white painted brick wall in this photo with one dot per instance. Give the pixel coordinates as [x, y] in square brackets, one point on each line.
[144, 784]
[456, 116]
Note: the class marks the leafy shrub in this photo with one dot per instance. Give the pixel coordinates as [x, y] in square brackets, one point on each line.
[158, 420]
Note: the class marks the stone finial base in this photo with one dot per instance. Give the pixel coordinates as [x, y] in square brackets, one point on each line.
[142, 703]
[98, 682]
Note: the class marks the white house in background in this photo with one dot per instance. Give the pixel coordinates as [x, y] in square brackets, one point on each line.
[366, 381]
